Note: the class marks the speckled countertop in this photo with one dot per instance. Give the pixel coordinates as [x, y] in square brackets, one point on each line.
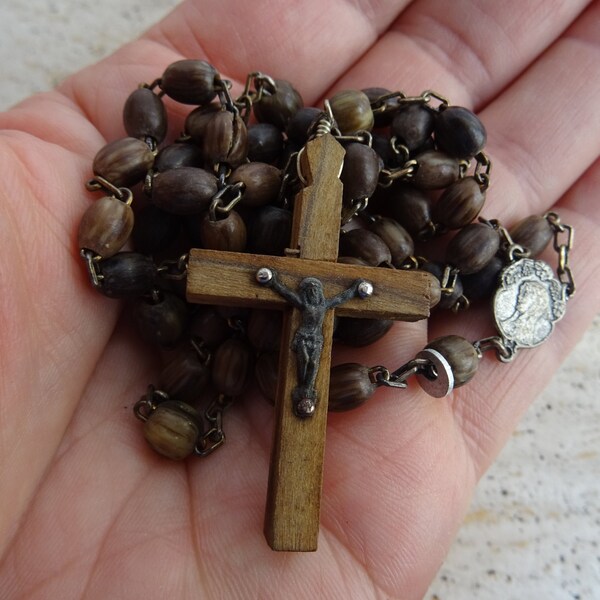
[534, 525]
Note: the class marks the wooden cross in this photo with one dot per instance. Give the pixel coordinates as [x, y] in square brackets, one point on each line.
[227, 278]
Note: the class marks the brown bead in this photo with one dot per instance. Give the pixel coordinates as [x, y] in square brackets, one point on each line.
[352, 260]
[413, 125]
[155, 230]
[460, 354]
[473, 247]
[225, 139]
[352, 111]
[270, 231]
[411, 207]
[360, 172]
[264, 329]
[301, 124]
[381, 144]
[265, 143]
[484, 283]
[227, 234]
[179, 154]
[185, 376]
[366, 245]
[279, 107]
[198, 119]
[209, 327]
[190, 81]
[162, 322]
[382, 119]
[435, 170]
[172, 429]
[396, 238]
[124, 162]
[262, 183]
[361, 332]
[459, 133]
[231, 366]
[460, 203]
[349, 386]
[127, 274]
[184, 191]
[266, 372]
[144, 115]
[533, 233]
[447, 299]
[105, 226]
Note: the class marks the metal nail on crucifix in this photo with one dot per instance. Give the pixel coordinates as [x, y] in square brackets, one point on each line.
[228, 278]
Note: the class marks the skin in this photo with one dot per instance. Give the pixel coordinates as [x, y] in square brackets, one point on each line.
[86, 509]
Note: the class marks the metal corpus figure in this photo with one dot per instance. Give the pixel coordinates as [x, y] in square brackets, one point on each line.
[308, 339]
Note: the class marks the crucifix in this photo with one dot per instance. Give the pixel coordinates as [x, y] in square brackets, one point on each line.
[281, 282]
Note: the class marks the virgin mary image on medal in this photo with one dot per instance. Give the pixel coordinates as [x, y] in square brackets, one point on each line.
[528, 302]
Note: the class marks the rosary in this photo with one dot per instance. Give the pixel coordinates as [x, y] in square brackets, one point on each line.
[268, 229]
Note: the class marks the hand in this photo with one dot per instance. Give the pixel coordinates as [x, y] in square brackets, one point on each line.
[86, 509]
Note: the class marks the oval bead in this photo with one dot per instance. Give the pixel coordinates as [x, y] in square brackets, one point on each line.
[300, 125]
[185, 376]
[105, 226]
[352, 111]
[411, 207]
[127, 274]
[279, 107]
[460, 203]
[266, 372]
[396, 238]
[209, 327]
[265, 143]
[459, 132]
[264, 329]
[366, 245]
[231, 367]
[261, 181]
[270, 231]
[533, 233]
[225, 139]
[198, 119]
[361, 332]
[179, 154]
[435, 170]
[484, 283]
[349, 386]
[190, 81]
[473, 247]
[460, 354]
[413, 125]
[172, 429]
[155, 230]
[360, 173]
[144, 115]
[227, 234]
[184, 191]
[163, 322]
[124, 162]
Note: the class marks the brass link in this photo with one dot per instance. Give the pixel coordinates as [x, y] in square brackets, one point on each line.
[144, 407]
[215, 436]
[98, 183]
[236, 191]
[175, 270]
[388, 176]
[505, 352]
[91, 261]
[483, 168]
[565, 275]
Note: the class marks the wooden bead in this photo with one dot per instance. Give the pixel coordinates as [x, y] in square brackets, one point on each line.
[381, 144]
[209, 327]
[198, 119]
[163, 322]
[264, 329]
[127, 274]
[266, 372]
[382, 119]
[225, 139]
[366, 245]
[172, 429]
[265, 143]
[155, 230]
[360, 173]
[227, 234]
[435, 170]
[300, 125]
[361, 332]
[411, 207]
[460, 354]
[190, 81]
[179, 154]
[460, 203]
[413, 125]
[447, 299]
[144, 115]
[352, 111]
[105, 226]
[231, 366]
[484, 283]
[459, 132]
[270, 231]
[185, 376]
[473, 247]
[533, 233]
[124, 162]
[261, 181]
[184, 191]
[352, 260]
[349, 386]
[279, 107]
[396, 238]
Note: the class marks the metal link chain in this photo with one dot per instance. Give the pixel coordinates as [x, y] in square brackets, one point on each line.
[565, 275]
[215, 437]
[175, 270]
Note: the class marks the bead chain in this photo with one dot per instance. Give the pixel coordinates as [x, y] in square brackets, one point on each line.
[221, 163]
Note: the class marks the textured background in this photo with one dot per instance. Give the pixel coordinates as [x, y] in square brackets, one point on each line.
[534, 525]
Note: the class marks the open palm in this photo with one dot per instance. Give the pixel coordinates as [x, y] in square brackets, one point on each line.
[86, 509]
